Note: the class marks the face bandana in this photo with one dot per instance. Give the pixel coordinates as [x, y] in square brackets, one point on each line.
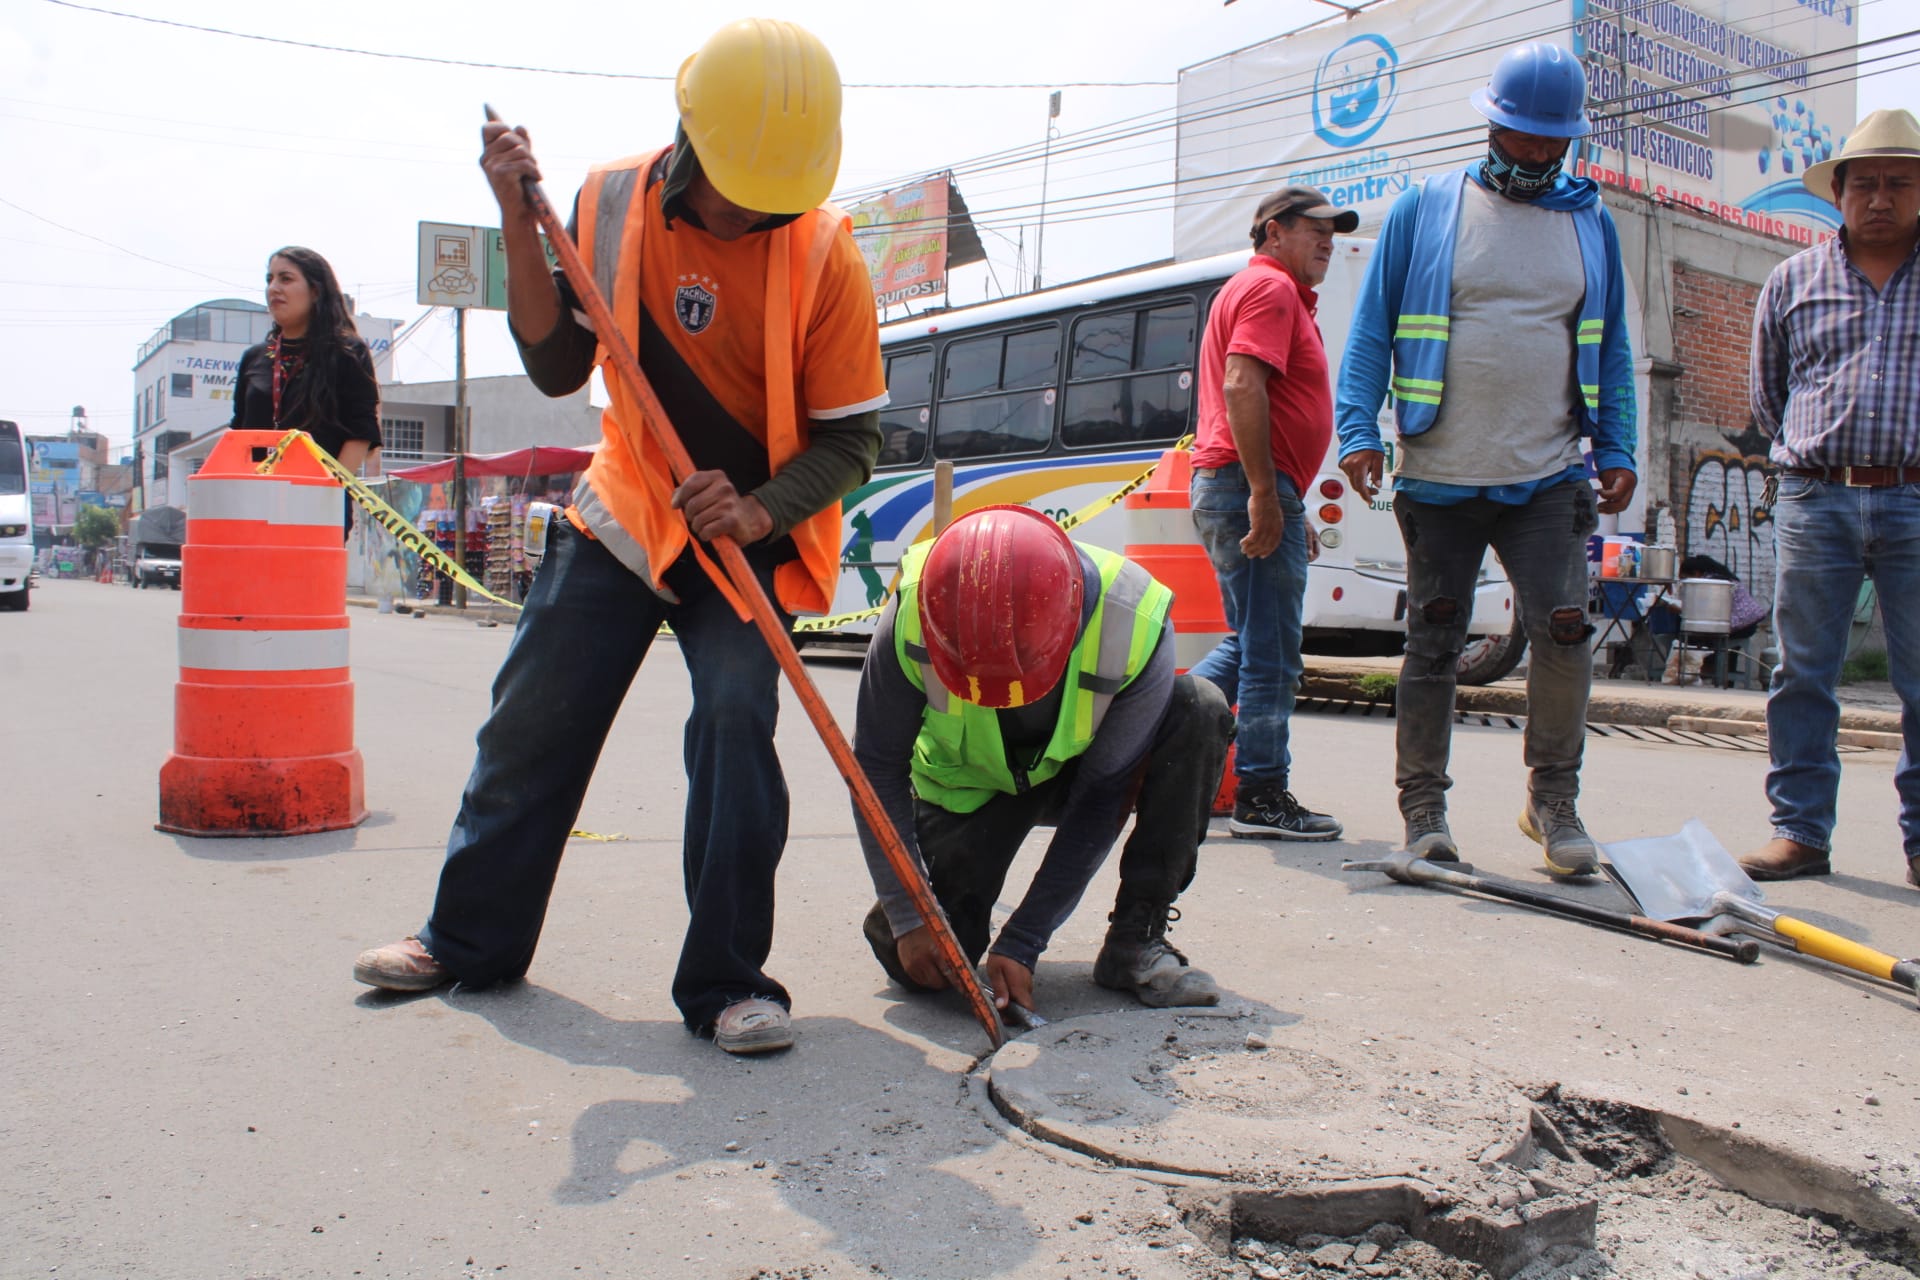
[1511, 178]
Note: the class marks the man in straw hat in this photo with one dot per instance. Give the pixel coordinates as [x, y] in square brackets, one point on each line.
[1836, 383]
[709, 251]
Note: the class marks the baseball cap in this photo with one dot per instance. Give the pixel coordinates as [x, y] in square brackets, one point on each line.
[1304, 202]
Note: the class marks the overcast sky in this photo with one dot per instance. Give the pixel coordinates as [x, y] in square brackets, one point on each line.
[174, 161]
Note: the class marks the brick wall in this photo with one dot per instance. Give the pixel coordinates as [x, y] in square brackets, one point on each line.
[1712, 332]
[1717, 460]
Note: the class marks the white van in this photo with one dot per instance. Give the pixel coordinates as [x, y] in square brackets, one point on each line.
[16, 519]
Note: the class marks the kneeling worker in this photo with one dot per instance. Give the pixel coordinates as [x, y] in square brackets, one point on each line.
[1020, 679]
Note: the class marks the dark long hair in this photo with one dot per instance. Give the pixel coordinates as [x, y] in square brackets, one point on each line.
[330, 334]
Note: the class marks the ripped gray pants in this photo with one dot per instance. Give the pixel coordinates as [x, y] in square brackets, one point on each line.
[1542, 545]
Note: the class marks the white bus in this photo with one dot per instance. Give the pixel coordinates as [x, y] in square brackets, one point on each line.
[16, 519]
[1057, 398]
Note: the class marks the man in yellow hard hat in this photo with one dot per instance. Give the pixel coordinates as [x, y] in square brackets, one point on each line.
[751, 312]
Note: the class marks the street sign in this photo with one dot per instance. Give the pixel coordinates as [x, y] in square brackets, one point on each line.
[465, 266]
[453, 262]
[497, 268]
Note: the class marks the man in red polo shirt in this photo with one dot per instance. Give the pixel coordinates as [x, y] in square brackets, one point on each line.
[1266, 418]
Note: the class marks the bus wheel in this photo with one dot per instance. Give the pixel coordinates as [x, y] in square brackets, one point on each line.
[1487, 658]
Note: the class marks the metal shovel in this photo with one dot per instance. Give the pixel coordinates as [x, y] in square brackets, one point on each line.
[1408, 869]
[1690, 876]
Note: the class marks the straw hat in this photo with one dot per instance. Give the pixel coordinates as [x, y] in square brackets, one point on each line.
[1882, 133]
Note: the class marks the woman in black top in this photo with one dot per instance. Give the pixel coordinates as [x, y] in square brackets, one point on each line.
[313, 371]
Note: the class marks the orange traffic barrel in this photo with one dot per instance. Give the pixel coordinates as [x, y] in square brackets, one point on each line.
[1161, 539]
[263, 711]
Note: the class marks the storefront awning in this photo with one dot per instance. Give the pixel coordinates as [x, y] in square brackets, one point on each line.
[543, 460]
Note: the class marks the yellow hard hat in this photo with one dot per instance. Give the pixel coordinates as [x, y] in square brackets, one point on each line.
[760, 102]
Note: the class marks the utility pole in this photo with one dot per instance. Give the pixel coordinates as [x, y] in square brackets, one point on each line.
[1046, 157]
[460, 450]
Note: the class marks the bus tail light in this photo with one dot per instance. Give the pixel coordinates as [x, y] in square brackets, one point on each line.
[1331, 488]
[1330, 538]
[1332, 514]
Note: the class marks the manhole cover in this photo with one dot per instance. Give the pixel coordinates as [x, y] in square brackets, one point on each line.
[1242, 1098]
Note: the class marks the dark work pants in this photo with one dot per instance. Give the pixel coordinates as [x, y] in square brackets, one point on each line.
[1542, 544]
[587, 625]
[968, 854]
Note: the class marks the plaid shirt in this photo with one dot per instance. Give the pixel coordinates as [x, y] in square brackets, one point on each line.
[1836, 366]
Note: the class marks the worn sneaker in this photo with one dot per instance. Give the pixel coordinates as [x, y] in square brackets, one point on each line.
[753, 1026]
[400, 966]
[1428, 836]
[1272, 813]
[1137, 957]
[1554, 824]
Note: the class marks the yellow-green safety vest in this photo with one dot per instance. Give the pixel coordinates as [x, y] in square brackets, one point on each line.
[959, 760]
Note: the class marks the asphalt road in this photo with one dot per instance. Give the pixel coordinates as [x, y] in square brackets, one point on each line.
[196, 1088]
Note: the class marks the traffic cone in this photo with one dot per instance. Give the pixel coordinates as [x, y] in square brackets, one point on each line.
[263, 711]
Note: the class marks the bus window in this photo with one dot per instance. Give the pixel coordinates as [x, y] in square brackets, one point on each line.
[1132, 377]
[903, 423]
[996, 394]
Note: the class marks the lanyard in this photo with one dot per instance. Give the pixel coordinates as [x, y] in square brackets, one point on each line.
[284, 371]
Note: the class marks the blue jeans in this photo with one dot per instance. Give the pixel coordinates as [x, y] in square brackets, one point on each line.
[587, 625]
[1827, 537]
[1258, 665]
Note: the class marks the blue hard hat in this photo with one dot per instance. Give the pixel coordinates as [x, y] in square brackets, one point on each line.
[1537, 88]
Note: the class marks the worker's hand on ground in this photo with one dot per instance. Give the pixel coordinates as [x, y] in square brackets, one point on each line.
[507, 160]
[716, 509]
[1265, 523]
[1616, 489]
[1010, 980]
[920, 957]
[1313, 543]
[1364, 470]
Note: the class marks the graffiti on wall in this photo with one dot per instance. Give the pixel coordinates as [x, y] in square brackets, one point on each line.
[1728, 516]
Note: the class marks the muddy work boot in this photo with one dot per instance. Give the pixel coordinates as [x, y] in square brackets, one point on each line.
[1428, 836]
[1554, 824]
[1137, 957]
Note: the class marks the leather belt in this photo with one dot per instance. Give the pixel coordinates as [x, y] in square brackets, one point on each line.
[1858, 477]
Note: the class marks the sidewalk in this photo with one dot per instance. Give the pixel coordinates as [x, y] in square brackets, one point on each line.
[1869, 711]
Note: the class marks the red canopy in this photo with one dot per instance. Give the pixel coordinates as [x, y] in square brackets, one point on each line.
[542, 460]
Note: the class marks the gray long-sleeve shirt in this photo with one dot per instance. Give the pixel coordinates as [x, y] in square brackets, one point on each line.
[887, 720]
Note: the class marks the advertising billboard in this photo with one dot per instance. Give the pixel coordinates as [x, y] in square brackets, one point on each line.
[903, 236]
[1715, 104]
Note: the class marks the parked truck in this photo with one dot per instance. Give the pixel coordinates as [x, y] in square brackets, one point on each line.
[157, 536]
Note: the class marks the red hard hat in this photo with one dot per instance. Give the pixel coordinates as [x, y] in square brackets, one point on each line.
[1000, 605]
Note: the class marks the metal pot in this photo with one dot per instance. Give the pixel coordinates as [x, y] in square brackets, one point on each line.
[1658, 562]
[1706, 606]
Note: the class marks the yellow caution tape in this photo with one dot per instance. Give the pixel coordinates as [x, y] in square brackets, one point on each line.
[1080, 517]
[594, 835]
[381, 514]
[413, 540]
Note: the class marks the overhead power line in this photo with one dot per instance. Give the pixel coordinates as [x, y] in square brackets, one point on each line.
[86, 235]
[560, 71]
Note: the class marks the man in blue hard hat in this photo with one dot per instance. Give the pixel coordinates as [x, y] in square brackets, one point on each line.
[1494, 311]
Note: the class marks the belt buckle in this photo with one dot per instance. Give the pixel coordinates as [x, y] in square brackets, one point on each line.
[1846, 477]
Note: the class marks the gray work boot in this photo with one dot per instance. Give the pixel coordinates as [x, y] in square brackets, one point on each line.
[1428, 837]
[1553, 823]
[1137, 957]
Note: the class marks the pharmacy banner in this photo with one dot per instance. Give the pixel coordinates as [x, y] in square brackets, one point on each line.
[1716, 104]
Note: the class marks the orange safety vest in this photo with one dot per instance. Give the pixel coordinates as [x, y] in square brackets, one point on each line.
[627, 505]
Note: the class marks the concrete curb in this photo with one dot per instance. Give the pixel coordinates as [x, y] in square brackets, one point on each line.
[1658, 708]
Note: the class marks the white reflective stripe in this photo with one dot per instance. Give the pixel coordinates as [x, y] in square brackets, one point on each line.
[224, 650]
[1191, 646]
[274, 501]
